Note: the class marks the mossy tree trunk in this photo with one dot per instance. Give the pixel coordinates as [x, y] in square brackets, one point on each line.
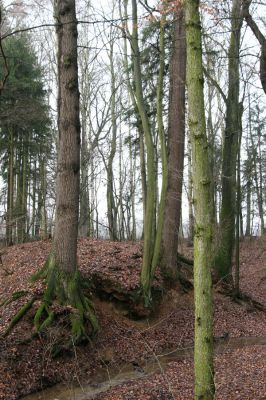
[226, 240]
[190, 197]
[163, 148]
[68, 162]
[175, 148]
[203, 204]
[238, 207]
[131, 90]
[150, 215]
[111, 204]
[61, 271]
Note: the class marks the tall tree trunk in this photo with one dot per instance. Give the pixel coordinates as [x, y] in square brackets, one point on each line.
[34, 220]
[19, 190]
[124, 16]
[10, 189]
[203, 202]
[226, 240]
[111, 206]
[149, 233]
[24, 193]
[238, 206]
[42, 195]
[176, 140]
[190, 197]
[257, 160]
[63, 279]
[84, 201]
[68, 163]
[163, 148]
[132, 156]
[248, 173]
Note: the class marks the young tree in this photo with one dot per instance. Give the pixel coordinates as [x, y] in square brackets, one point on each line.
[150, 215]
[203, 231]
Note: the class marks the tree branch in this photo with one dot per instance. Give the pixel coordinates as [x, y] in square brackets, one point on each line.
[6, 70]
[215, 84]
[251, 23]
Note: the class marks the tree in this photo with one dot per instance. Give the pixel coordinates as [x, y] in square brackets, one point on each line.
[223, 259]
[203, 229]
[25, 130]
[111, 206]
[150, 215]
[61, 271]
[175, 147]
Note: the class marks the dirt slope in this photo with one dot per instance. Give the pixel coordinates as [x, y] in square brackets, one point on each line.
[29, 366]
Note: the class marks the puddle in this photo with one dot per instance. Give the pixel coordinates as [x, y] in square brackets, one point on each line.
[108, 379]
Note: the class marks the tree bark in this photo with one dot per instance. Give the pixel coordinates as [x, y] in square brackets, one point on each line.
[61, 271]
[176, 140]
[203, 203]
[111, 206]
[10, 189]
[68, 163]
[226, 240]
[149, 220]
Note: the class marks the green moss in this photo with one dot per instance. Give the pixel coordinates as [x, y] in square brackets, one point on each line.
[19, 315]
[38, 316]
[48, 321]
[68, 61]
[77, 327]
[15, 296]
[67, 289]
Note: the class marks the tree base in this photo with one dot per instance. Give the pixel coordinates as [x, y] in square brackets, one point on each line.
[66, 290]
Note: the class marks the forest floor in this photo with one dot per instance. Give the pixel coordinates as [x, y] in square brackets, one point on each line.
[158, 348]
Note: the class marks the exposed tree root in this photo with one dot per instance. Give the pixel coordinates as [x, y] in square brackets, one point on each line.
[19, 315]
[66, 289]
[15, 296]
[62, 288]
[244, 298]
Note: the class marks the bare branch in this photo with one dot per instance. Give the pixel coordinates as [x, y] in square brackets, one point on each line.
[216, 84]
[6, 70]
[251, 23]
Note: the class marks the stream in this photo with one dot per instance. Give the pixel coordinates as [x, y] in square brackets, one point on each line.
[107, 379]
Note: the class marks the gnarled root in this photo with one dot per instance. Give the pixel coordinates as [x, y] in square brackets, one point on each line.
[67, 289]
[19, 315]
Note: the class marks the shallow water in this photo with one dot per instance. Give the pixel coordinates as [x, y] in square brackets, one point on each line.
[104, 380]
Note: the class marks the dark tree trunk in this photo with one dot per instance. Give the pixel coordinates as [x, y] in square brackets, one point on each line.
[176, 139]
[226, 240]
